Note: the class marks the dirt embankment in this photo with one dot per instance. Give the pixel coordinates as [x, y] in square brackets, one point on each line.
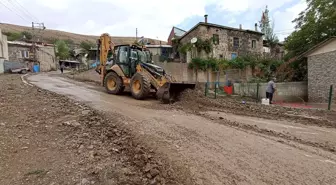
[86, 76]
[195, 101]
[46, 138]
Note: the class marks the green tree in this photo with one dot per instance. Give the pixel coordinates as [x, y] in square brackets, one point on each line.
[13, 36]
[313, 25]
[62, 49]
[268, 29]
[27, 34]
[69, 42]
[86, 45]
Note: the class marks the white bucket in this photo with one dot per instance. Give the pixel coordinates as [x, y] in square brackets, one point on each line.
[265, 101]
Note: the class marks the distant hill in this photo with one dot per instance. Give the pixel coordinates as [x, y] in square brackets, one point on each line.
[49, 35]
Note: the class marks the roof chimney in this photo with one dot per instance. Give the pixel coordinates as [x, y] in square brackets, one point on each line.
[206, 18]
[256, 27]
[240, 26]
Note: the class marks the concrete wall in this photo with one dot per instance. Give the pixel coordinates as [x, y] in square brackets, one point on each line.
[3, 46]
[225, 46]
[181, 72]
[2, 70]
[321, 74]
[287, 91]
[155, 51]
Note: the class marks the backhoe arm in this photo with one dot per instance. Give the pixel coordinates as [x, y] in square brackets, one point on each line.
[105, 45]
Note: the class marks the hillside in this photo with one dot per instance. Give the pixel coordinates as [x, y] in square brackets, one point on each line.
[48, 35]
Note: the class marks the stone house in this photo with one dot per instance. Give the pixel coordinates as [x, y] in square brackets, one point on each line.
[321, 61]
[227, 42]
[278, 51]
[23, 52]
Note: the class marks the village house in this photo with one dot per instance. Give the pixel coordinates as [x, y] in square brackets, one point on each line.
[321, 70]
[23, 52]
[277, 51]
[227, 42]
[3, 46]
[3, 51]
[175, 33]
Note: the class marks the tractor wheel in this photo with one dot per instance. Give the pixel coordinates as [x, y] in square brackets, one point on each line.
[113, 83]
[140, 86]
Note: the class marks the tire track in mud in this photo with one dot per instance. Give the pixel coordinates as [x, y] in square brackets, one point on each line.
[268, 132]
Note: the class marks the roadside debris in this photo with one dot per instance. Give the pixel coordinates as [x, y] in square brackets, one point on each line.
[85, 143]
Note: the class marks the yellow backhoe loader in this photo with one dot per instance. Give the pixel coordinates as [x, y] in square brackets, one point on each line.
[132, 68]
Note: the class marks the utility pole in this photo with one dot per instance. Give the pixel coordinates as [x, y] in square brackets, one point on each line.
[36, 29]
[136, 34]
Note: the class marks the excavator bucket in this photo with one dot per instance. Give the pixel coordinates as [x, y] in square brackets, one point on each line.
[170, 91]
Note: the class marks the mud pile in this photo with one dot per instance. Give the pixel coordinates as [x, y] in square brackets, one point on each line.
[85, 76]
[196, 101]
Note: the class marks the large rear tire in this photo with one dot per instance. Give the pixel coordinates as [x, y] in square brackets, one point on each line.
[113, 83]
[140, 86]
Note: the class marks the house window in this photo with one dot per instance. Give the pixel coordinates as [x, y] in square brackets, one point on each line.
[254, 43]
[233, 55]
[24, 54]
[235, 42]
[215, 39]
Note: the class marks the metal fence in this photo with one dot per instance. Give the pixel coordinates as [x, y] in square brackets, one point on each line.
[291, 94]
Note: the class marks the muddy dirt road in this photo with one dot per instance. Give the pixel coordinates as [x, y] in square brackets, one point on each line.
[215, 147]
[49, 139]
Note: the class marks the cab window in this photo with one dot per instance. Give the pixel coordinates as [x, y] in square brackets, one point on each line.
[123, 54]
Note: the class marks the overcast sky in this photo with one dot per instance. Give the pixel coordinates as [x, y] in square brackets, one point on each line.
[153, 18]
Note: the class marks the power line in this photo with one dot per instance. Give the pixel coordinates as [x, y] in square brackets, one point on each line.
[24, 9]
[13, 11]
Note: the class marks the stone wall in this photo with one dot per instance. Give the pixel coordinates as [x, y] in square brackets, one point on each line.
[321, 74]
[14, 52]
[225, 46]
[45, 55]
[286, 92]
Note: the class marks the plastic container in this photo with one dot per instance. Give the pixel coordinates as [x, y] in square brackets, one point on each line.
[265, 101]
[228, 89]
[36, 68]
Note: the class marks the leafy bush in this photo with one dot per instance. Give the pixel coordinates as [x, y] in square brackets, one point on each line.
[27, 34]
[205, 45]
[267, 66]
[13, 36]
[184, 48]
[62, 50]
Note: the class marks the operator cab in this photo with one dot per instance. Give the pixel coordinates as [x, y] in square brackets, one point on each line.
[129, 56]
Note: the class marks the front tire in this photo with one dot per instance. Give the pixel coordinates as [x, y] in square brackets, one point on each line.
[140, 86]
[113, 83]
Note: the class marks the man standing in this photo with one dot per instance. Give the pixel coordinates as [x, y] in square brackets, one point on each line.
[62, 67]
[270, 89]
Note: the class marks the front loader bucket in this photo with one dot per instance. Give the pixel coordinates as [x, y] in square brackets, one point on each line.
[170, 91]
